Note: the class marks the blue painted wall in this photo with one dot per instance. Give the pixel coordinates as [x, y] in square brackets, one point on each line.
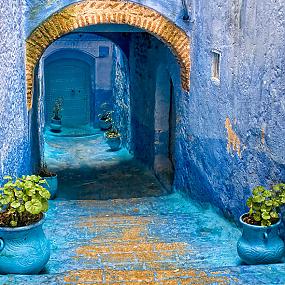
[121, 96]
[38, 10]
[149, 61]
[14, 127]
[95, 50]
[251, 37]
[245, 110]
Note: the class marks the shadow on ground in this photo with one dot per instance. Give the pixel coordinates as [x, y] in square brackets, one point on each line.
[127, 179]
[88, 170]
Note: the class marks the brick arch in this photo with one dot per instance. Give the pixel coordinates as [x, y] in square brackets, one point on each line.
[92, 12]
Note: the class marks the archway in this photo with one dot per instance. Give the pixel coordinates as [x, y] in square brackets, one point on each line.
[91, 12]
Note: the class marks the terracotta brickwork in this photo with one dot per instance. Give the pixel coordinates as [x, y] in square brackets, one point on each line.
[93, 12]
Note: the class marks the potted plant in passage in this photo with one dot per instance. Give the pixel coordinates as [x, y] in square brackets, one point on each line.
[105, 120]
[260, 241]
[113, 139]
[55, 124]
[51, 183]
[24, 248]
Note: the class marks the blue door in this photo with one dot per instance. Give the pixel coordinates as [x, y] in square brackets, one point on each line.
[69, 79]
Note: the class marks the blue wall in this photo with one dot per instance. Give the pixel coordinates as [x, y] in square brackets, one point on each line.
[149, 61]
[95, 50]
[38, 10]
[251, 38]
[14, 128]
[121, 95]
[244, 111]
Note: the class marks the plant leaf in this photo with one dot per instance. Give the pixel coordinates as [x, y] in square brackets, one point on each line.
[44, 193]
[21, 209]
[265, 216]
[265, 223]
[34, 206]
[7, 177]
[44, 205]
[274, 215]
[5, 200]
[15, 204]
[257, 217]
[13, 223]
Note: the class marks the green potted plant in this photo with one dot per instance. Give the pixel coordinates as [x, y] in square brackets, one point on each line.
[24, 248]
[51, 179]
[260, 241]
[55, 124]
[105, 120]
[113, 138]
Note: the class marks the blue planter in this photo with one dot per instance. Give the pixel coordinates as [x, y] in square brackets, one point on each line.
[114, 143]
[51, 185]
[104, 125]
[260, 245]
[23, 250]
[55, 125]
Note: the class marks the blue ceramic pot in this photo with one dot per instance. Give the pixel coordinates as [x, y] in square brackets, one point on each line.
[260, 245]
[51, 185]
[114, 143]
[104, 125]
[55, 125]
[23, 250]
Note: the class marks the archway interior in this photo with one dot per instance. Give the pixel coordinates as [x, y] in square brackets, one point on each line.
[138, 78]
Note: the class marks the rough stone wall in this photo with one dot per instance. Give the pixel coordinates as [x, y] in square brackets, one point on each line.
[14, 128]
[233, 132]
[121, 96]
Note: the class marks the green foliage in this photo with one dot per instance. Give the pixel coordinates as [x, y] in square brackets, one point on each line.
[112, 133]
[57, 108]
[44, 171]
[106, 116]
[23, 196]
[264, 205]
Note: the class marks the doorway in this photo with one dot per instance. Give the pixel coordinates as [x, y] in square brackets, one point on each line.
[69, 80]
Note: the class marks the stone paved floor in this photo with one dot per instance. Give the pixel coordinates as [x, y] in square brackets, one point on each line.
[87, 169]
[137, 241]
[159, 240]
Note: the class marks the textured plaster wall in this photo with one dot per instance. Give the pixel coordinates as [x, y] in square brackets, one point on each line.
[14, 128]
[121, 95]
[147, 56]
[232, 137]
[38, 10]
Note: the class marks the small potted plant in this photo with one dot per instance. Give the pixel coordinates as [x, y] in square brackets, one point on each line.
[260, 242]
[113, 139]
[55, 124]
[51, 183]
[105, 120]
[24, 248]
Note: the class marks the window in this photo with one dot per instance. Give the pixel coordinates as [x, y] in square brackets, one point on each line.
[216, 66]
